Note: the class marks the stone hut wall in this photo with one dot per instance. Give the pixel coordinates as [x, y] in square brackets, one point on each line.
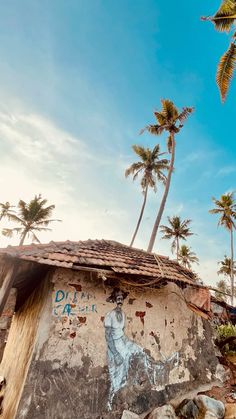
[167, 349]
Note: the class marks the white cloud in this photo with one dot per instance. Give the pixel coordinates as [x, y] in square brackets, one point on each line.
[226, 170]
[38, 157]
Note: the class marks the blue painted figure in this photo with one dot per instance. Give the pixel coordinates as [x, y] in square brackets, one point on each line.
[121, 350]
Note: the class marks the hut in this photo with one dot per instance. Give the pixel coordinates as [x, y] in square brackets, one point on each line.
[99, 327]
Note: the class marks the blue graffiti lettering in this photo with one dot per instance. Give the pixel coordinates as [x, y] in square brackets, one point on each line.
[94, 308]
[60, 295]
[67, 309]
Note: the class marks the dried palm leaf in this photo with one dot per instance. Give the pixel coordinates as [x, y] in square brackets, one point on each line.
[225, 70]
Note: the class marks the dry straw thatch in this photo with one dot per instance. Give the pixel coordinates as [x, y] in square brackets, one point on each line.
[19, 348]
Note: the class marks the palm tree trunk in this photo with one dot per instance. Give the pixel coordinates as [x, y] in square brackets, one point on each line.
[177, 248]
[232, 265]
[164, 198]
[140, 216]
[23, 237]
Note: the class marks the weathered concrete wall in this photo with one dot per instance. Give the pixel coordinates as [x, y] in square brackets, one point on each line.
[167, 349]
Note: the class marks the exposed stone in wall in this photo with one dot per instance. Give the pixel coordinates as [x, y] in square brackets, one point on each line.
[70, 374]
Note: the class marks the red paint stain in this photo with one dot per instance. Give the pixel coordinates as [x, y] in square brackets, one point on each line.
[72, 335]
[141, 314]
[73, 305]
[149, 305]
[82, 319]
[76, 286]
[102, 318]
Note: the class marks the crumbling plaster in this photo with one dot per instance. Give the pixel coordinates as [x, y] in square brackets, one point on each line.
[71, 350]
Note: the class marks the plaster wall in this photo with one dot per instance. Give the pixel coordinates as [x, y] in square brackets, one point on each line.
[69, 374]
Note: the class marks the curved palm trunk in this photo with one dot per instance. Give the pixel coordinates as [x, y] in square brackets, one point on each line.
[23, 237]
[163, 202]
[232, 265]
[140, 216]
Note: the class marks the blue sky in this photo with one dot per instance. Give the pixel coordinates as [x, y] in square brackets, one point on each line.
[78, 80]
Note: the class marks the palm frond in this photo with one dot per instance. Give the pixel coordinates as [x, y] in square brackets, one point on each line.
[134, 168]
[185, 113]
[153, 129]
[161, 119]
[9, 232]
[169, 110]
[225, 16]
[35, 238]
[225, 70]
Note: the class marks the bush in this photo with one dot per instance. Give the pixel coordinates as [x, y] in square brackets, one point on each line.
[225, 331]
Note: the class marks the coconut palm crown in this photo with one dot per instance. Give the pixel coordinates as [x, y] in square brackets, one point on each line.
[224, 20]
[176, 230]
[187, 257]
[225, 267]
[32, 217]
[6, 209]
[225, 207]
[151, 169]
[169, 119]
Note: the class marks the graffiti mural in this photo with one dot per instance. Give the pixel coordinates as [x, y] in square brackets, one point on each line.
[73, 303]
[121, 351]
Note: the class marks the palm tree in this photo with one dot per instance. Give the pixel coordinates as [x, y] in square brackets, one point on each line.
[32, 217]
[169, 119]
[226, 208]
[187, 257]
[225, 268]
[222, 290]
[176, 230]
[6, 210]
[223, 21]
[151, 167]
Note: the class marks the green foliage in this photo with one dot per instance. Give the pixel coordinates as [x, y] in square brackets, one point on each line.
[225, 70]
[32, 217]
[223, 21]
[150, 166]
[187, 257]
[176, 230]
[225, 207]
[226, 266]
[170, 120]
[225, 331]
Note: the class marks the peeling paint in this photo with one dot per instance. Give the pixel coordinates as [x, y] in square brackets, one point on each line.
[69, 371]
[141, 314]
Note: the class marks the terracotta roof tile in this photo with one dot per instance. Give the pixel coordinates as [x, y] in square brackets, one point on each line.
[102, 254]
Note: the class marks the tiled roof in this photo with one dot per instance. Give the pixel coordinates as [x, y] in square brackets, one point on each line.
[103, 255]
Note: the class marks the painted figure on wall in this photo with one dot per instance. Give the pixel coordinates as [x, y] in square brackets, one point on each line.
[121, 350]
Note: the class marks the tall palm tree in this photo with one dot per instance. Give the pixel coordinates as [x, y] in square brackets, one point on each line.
[32, 217]
[176, 230]
[187, 257]
[152, 169]
[223, 21]
[226, 208]
[6, 210]
[169, 119]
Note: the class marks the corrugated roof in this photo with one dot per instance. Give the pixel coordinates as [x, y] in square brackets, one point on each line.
[102, 254]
